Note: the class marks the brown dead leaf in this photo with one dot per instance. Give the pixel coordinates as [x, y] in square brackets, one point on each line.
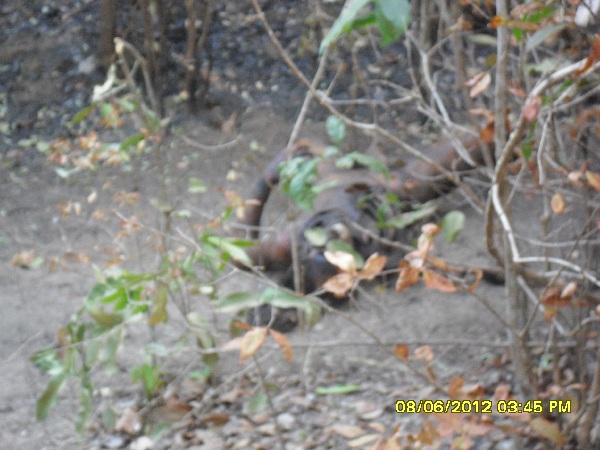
[484, 112]
[126, 198]
[473, 390]
[436, 281]
[551, 296]
[284, 344]
[592, 57]
[502, 392]
[477, 429]
[547, 430]
[234, 344]
[575, 178]
[130, 422]
[532, 108]
[373, 267]
[214, 418]
[487, 133]
[339, 284]
[549, 313]
[231, 396]
[172, 410]
[241, 325]
[449, 423]
[478, 276]
[497, 22]
[342, 260]
[362, 441]
[479, 83]
[424, 353]
[558, 203]
[401, 351]
[517, 92]
[24, 259]
[455, 386]
[406, 278]
[437, 262]
[593, 179]
[430, 229]
[346, 431]
[81, 258]
[251, 342]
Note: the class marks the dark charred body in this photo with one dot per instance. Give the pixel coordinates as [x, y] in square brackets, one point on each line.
[350, 209]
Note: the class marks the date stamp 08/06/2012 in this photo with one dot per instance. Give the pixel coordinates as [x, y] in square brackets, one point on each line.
[482, 406]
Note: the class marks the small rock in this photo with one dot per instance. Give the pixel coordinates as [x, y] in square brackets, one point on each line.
[286, 421]
[88, 65]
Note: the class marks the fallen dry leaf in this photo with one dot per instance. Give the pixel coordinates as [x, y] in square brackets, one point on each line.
[130, 422]
[438, 282]
[346, 431]
[251, 342]
[558, 203]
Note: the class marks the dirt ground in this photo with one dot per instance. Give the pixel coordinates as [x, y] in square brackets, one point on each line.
[47, 75]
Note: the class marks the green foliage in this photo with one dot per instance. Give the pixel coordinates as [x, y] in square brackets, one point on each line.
[391, 17]
[337, 389]
[408, 218]
[354, 159]
[91, 339]
[297, 180]
[149, 377]
[277, 297]
[336, 129]
[452, 224]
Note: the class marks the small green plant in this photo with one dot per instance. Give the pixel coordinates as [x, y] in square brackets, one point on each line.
[122, 299]
[391, 17]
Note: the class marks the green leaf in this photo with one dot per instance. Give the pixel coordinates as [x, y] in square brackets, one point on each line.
[196, 186]
[65, 173]
[85, 408]
[80, 115]
[337, 389]
[200, 330]
[336, 245]
[148, 376]
[396, 11]
[238, 301]
[131, 141]
[408, 218]
[349, 160]
[392, 17]
[106, 319]
[159, 308]
[344, 23]
[256, 404]
[283, 299]
[297, 180]
[331, 150]
[230, 247]
[336, 129]
[316, 236]
[48, 398]
[542, 34]
[539, 15]
[106, 109]
[452, 224]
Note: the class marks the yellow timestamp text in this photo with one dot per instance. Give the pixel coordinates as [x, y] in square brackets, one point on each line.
[482, 406]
